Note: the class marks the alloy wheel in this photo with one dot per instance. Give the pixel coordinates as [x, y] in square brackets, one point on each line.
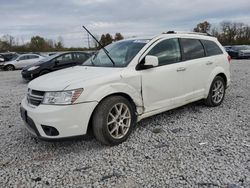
[119, 120]
[218, 91]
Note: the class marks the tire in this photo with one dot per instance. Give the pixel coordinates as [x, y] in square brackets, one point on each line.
[217, 92]
[109, 127]
[9, 68]
[43, 72]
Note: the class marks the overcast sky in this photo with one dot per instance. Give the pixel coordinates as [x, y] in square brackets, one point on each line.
[53, 18]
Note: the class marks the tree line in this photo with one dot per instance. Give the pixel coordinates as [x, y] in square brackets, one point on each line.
[228, 33]
[40, 44]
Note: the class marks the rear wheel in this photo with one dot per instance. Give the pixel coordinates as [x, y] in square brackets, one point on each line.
[113, 120]
[9, 68]
[217, 92]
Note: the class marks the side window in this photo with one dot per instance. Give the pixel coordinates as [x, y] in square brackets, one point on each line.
[25, 57]
[167, 51]
[33, 56]
[80, 57]
[211, 48]
[192, 49]
[66, 58]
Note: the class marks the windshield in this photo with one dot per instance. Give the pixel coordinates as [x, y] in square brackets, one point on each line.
[14, 57]
[121, 52]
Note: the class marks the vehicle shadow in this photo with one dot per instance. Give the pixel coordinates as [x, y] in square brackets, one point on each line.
[89, 141]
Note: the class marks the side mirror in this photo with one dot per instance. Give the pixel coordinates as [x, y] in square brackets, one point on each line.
[148, 62]
[56, 62]
[151, 61]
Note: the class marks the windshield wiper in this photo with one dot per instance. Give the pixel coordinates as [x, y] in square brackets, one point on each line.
[104, 49]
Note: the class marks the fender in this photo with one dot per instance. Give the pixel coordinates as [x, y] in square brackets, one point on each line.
[103, 91]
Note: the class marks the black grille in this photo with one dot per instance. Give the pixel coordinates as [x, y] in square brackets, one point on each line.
[35, 97]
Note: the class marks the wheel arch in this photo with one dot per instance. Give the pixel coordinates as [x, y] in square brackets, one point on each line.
[123, 94]
[219, 71]
[44, 70]
[223, 76]
[9, 64]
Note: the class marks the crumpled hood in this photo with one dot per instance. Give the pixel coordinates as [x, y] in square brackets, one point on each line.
[60, 80]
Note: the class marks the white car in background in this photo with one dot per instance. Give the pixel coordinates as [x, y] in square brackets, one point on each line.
[22, 61]
[132, 80]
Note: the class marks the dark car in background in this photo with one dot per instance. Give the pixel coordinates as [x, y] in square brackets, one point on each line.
[238, 51]
[53, 63]
[7, 57]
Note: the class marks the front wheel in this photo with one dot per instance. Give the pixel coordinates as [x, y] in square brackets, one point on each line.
[113, 120]
[9, 68]
[217, 92]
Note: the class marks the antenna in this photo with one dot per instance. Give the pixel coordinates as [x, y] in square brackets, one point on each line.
[104, 49]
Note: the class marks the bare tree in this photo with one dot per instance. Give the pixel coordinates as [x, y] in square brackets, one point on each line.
[203, 27]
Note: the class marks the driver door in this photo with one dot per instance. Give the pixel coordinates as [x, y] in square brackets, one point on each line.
[22, 61]
[161, 85]
[64, 61]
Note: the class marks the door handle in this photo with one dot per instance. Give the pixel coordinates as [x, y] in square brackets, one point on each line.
[181, 69]
[209, 63]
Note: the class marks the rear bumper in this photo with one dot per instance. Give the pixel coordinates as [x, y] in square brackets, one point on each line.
[68, 120]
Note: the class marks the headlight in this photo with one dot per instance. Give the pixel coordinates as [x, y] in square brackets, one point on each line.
[61, 97]
[33, 68]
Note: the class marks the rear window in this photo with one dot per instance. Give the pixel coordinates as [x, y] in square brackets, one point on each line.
[33, 57]
[211, 48]
[192, 49]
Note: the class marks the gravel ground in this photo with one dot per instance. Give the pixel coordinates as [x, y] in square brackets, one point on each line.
[192, 146]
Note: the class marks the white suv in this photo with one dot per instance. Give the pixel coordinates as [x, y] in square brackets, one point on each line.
[137, 79]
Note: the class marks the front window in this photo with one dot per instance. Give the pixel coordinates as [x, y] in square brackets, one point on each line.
[25, 57]
[167, 51]
[65, 58]
[121, 52]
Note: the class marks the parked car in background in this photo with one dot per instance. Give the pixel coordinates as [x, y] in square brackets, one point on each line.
[130, 80]
[21, 61]
[238, 51]
[227, 48]
[53, 63]
[7, 56]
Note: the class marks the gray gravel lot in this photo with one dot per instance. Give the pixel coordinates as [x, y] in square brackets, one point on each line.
[192, 146]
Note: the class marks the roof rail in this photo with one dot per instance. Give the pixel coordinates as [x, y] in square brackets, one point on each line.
[185, 32]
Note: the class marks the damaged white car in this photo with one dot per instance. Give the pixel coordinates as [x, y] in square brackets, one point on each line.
[129, 80]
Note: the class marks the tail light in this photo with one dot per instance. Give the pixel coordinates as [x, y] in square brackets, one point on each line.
[229, 58]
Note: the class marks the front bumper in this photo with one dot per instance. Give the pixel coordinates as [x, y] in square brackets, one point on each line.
[27, 75]
[68, 120]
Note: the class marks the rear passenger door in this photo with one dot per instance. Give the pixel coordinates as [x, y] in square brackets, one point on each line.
[194, 69]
